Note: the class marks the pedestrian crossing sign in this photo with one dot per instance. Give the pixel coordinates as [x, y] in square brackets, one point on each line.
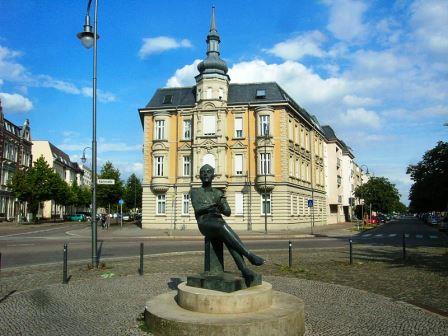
[310, 203]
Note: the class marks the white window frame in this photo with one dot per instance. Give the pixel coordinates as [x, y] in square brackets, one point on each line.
[159, 130]
[187, 129]
[239, 203]
[238, 162]
[158, 165]
[269, 202]
[238, 128]
[265, 124]
[186, 204]
[186, 164]
[161, 204]
[207, 122]
[208, 93]
[265, 162]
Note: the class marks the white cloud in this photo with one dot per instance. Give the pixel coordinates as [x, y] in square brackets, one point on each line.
[308, 44]
[435, 110]
[305, 86]
[346, 19]
[10, 69]
[184, 76]
[49, 82]
[104, 97]
[156, 45]
[15, 102]
[353, 100]
[429, 19]
[360, 116]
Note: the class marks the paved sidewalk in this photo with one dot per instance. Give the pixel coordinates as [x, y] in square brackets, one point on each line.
[113, 307]
[131, 230]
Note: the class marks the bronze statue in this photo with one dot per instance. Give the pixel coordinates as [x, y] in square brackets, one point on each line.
[209, 203]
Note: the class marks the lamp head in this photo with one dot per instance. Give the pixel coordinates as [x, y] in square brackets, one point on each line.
[83, 159]
[87, 36]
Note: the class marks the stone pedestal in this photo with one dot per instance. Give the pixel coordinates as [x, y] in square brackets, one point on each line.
[255, 311]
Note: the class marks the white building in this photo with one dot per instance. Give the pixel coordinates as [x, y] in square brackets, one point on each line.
[60, 162]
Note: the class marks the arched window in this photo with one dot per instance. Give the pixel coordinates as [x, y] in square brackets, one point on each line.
[209, 159]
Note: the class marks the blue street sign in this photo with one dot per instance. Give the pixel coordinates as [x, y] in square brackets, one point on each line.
[310, 203]
[120, 202]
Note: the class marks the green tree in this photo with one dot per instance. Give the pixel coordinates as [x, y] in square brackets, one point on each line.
[380, 193]
[133, 192]
[34, 185]
[109, 194]
[430, 189]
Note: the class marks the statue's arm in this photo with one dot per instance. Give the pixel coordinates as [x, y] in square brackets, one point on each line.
[199, 207]
[223, 206]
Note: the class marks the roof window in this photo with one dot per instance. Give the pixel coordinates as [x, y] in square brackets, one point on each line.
[168, 99]
[261, 93]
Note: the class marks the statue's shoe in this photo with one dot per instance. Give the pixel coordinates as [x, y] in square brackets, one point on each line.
[256, 260]
[248, 275]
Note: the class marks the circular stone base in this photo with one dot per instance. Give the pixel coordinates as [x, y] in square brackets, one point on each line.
[214, 302]
[286, 317]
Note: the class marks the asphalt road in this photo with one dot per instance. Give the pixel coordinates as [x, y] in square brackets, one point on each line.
[31, 246]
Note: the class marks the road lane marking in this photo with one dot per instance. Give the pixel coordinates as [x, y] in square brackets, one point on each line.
[366, 235]
[406, 235]
[433, 237]
[379, 235]
[392, 235]
[38, 231]
[419, 236]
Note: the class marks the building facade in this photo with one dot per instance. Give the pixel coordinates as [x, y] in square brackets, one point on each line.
[267, 151]
[69, 172]
[15, 153]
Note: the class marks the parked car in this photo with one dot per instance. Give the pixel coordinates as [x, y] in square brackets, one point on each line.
[374, 220]
[443, 224]
[77, 218]
[382, 218]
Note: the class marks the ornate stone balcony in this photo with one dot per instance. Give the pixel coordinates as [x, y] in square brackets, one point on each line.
[260, 182]
[159, 184]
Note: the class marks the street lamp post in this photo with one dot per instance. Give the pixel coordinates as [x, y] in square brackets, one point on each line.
[89, 39]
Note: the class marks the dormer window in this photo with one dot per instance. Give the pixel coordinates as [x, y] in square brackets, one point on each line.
[168, 99]
[261, 94]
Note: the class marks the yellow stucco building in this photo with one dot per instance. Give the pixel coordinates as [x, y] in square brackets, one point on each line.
[267, 151]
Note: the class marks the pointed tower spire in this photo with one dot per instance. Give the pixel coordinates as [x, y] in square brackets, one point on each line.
[213, 64]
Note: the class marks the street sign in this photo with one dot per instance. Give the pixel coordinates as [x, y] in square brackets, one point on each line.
[106, 181]
[120, 202]
[310, 203]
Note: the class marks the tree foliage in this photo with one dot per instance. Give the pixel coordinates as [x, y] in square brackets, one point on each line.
[109, 194]
[133, 192]
[430, 189]
[381, 194]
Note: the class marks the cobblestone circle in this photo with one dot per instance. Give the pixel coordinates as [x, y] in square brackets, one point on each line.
[112, 307]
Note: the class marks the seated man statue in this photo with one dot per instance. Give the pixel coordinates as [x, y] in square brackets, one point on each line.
[209, 203]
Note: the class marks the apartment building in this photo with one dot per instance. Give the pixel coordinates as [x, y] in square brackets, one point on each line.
[267, 151]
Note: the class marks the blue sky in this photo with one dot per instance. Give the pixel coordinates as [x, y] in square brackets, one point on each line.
[376, 71]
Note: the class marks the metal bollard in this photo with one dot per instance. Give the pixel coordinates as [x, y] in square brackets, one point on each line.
[64, 267]
[350, 241]
[290, 254]
[140, 271]
[404, 247]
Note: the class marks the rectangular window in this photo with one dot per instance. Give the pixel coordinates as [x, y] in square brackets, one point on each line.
[297, 168]
[161, 205]
[266, 204]
[158, 165]
[221, 93]
[298, 205]
[168, 99]
[238, 127]
[291, 204]
[186, 204]
[239, 203]
[187, 129]
[291, 166]
[238, 164]
[160, 130]
[209, 93]
[265, 163]
[209, 125]
[187, 165]
[264, 125]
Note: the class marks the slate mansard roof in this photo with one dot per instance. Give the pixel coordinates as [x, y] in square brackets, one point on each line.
[330, 135]
[238, 94]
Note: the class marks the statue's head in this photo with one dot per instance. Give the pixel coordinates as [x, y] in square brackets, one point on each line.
[207, 173]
